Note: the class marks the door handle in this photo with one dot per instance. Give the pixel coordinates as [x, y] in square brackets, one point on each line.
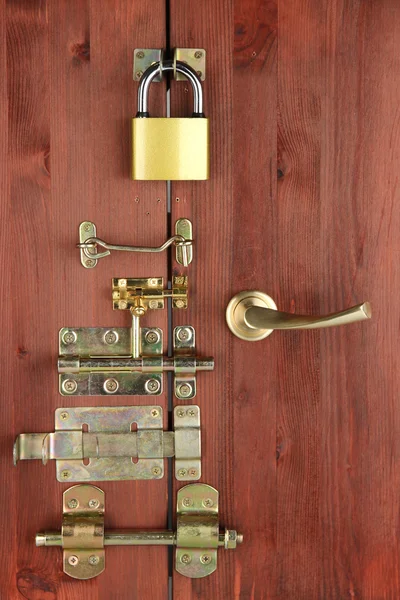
[253, 315]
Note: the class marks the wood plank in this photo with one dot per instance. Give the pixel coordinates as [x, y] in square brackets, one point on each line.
[71, 95]
[233, 221]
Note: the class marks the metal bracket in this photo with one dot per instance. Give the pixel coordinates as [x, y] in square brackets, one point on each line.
[105, 451]
[143, 58]
[89, 244]
[197, 537]
[99, 361]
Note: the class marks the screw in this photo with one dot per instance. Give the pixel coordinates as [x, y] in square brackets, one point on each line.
[140, 54]
[199, 74]
[110, 337]
[185, 390]
[69, 337]
[153, 304]
[139, 74]
[153, 281]
[155, 412]
[156, 471]
[93, 503]
[179, 304]
[186, 559]
[152, 386]
[180, 412]
[192, 472]
[73, 560]
[87, 227]
[73, 503]
[94, 560]
[192, 412]
[198, 54]
[122, 282]
[122, 304]
[69, 386]
[205, 559]
[187, 502]
[64, 416]
[183, 334]
[65, 474]
[89, 262]
[208, 503]
[137, 199]
[111, 386]
[182, 472]
[152, 337]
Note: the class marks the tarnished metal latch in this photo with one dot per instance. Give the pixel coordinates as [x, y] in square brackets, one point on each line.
[98, 444]
[143, 58]
[93, 248]
[197, 537]
[98, 361]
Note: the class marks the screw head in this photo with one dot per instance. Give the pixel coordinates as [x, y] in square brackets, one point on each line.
[205, 559]
[192, 412]
[182, 472]
[186, 559]
[73, 560]
[152, 337]
[155, 412]
[69, 337]
[139, 74]
[73, 503]
[69, 386]
[87, 227]
[152, 386]
[93, 503]
[122, 282]
[64, 416]
[192, 472]
[111, 386]
[65, 474]
[94, 560]
[153, 281]
[179, 304]
[208, 503]
[185, 390]
[111, 337]
[156, 471]
[153, 304]
[140, 54]
[187, 502]
[122, 304]
[180, 412]
[198, 54]
[89, 262]
[184, 334]
[199, 74]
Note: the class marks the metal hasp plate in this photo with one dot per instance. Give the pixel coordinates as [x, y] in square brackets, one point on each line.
[197, 537]
[98, 444]
[143, 58]
[93, 248]
[99, 361]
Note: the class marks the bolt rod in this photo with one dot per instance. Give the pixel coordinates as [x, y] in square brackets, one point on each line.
[88, 365]
[127, 538]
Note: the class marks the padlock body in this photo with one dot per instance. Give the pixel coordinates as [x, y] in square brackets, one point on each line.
[170, 149]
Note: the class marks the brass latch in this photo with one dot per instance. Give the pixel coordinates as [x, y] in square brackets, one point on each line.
[89, 244]
[98, 444]
[98, 361]
[197, 537]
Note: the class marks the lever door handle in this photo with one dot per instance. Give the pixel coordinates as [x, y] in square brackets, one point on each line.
[253, 315]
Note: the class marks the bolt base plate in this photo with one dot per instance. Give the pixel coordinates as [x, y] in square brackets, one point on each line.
[236, 311]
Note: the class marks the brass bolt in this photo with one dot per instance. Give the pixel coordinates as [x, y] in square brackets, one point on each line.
[198, 54]
[111, 386]
[93, 503]
[110, 337]
[155, 412]
[73, 560]
[182, 472]
[140, 54]
[192, 472]
[69, 386]
[184, 390]
[205, 559]
[94, 560]
[156, 471]
[187, 502]
[180, 412]
[186, 559]
[73, 503]
[69, 337]
[152, 337]
[64, 416]
[152, 386]
[65, 474]
[208, 503]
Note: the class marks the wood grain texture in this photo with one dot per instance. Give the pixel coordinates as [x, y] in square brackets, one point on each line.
[233, 217]
[70, 95]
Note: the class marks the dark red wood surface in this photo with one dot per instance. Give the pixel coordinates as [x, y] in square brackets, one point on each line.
[67, 100]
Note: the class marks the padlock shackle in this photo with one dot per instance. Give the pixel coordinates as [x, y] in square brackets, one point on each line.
[168, 65]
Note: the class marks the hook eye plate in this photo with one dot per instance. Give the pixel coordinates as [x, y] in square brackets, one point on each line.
[236, 311]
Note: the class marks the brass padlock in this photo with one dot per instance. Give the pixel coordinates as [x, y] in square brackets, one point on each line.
[170, 148]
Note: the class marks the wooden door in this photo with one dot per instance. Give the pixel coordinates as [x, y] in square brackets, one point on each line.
[300, 431]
